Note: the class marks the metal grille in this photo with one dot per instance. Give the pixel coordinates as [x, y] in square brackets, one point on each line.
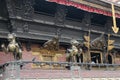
[23, 70]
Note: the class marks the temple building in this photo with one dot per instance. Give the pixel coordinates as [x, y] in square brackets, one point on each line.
[60, 33]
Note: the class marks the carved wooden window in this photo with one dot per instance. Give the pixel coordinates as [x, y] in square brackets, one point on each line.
[98, 19]
[74, 14]
[44, 7]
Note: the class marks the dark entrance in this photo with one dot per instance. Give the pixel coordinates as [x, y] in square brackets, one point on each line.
[79, 58]
[95, 57]
[109, 59]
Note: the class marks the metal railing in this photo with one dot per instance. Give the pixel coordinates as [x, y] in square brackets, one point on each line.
[23, 70]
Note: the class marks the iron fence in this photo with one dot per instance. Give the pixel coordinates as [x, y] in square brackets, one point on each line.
[36, 70]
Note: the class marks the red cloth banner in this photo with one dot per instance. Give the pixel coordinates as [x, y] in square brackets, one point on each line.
[84, 7]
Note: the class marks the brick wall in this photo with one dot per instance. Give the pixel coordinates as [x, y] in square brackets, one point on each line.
[26, 55]
[5, 57]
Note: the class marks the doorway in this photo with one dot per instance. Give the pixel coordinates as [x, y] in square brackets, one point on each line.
[79, 58]
[95, 57]
[109, 59]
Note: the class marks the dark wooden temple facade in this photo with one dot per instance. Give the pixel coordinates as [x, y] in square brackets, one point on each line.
[36, 21]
